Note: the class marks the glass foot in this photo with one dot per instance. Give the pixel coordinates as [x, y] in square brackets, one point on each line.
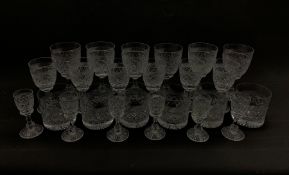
[155, 132]
[32, 131]
[197, 134]
[233, 133]
[117, 134]
[72, 134]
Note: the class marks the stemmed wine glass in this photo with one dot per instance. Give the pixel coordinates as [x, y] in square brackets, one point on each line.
[100, 55]
[135, 55]
[169, 55]
[236, 61]
[156, 106]
[24, 101]
[201, 106]
[63, 55]
[69, 103]
[118, 76]
[117, 104]
[43, 73]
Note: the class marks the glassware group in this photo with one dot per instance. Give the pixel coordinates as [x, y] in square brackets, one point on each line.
[130, 105]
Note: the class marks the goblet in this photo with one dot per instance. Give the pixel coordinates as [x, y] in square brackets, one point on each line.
[69, 103]
[100, 55]
[43, 73]
[24, 101]
[169, 55]
[202, 57]
[201, 106]
[135, 55]
[63, 55]
[237, 58]
[81, 75]
[156, 106]
[118, 77]
[153, 75]
[249, 104]
[117, 105]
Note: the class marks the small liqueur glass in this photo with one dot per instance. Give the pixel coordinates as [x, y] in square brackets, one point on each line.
[24, 101]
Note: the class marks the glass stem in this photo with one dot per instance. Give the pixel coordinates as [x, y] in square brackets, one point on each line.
[134, 83]
[29, 121]
[117, 126]
[155, 122]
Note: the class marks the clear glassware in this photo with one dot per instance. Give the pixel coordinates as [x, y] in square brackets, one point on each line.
[249, 105]
[43, 73]
[96, 115]
[63, 55]
[156, 105]
[50, 110]
[237, 58]
[117, 104]
[81, 75]
[100, 55]
[223, 80]
[24, 101]
[153, 75]
[215, 116]
[137, 113]
[135, 55]
[118, 77]
[201, 106]
[190, 80]
[175, 114]
[69, 103]
[202, 57]
[170, 55]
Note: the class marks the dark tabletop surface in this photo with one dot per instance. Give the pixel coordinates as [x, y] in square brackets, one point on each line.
[30, 27]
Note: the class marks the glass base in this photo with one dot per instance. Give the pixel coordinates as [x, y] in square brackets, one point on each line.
[72, 134]
[31, 132]
[197, 134]
[155, 132]
[117, 134]
[233, 133]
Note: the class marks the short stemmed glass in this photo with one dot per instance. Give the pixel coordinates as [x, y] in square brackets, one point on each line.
[100, 55]
[43, 73]
[69, 103]
[156, 106]
[118, 76]
[201, 106]
[24, 101]
[236, 61]
[117, 105]
[63, 55]
[135, 55]
[169, 55]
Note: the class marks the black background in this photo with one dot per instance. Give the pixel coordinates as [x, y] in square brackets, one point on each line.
[29, 27]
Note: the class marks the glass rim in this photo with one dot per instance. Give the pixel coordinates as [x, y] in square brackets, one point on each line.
[178, 46]
[44, 61]
[16, 92]
[74, 44]
[248, 48]
[213, 47]
[268, 92]
[140, 44]
[95, 44]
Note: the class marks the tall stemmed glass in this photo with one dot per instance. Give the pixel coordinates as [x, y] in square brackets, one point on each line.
[100, 55]
[236, 61]
[63, 55]
[24, 101]
[43, 73]
[201, 106]
[117, 104]
[69, 103]
[169, 55]
[118, 78]
[135, 55]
